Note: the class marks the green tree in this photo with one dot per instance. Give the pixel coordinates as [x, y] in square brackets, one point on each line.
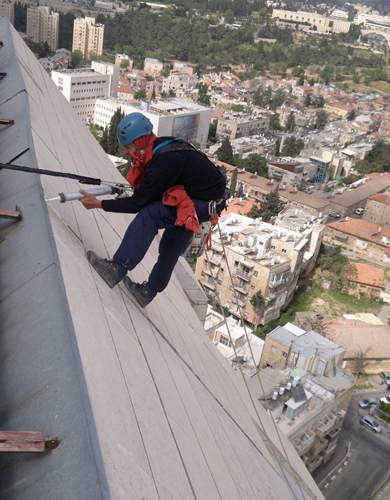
[257, 301]
[203, 97]
[77, 58]
[254, 212]
[290, 125]
[139, 95]
[377, 160]
[322, 118]
[229, 17]
[351, 115]
[292, 146]
[271, 205]
[104, 140]
[124, 64]
[112, 141]
[307, 100]
[225, 152]
[233, 183]
[240, 191]
[213, 131]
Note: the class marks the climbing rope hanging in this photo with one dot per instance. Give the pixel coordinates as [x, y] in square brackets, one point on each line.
[294, 474]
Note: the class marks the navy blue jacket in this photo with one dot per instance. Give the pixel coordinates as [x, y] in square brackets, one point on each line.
[201, 179]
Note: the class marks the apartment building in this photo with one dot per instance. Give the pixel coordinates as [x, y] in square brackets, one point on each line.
[7, 9]
[305, 390]
[43, 26]
[256, 187]
[323, 24]
[177, 82]
[112, 70]
[236, 126]
[260, 257]
[291, 171]
[153, 66]
[347, 199]
[82, 87]
[378, 209]
[173, 117]
[88, 36]
[361, 237]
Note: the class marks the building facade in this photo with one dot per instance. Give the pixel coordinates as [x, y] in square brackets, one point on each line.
[82, 88]
[172, 117]
[235, 127]
[7, 9]
[311, 397]
[259, 257]
[88, 37]
[43, 25]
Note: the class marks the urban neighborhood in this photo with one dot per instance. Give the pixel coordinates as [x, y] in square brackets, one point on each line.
[263, 369]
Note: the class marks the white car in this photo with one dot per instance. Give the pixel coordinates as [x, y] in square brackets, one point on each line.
[386, 400]
[359, 211]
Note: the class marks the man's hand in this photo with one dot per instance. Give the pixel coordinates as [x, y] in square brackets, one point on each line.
[90, 201]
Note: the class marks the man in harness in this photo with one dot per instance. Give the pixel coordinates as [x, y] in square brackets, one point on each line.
[173, 186]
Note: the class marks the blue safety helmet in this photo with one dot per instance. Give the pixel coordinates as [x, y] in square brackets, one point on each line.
[133, 126]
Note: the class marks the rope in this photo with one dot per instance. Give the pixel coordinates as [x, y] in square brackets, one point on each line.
[296, 478]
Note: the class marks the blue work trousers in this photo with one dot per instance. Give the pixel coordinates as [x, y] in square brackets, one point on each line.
[143, 229]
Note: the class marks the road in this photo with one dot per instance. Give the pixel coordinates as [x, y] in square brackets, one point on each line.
[369, 465]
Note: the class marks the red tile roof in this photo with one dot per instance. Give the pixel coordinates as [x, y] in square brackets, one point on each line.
[240, 207]
[367, 275]
[362, 229]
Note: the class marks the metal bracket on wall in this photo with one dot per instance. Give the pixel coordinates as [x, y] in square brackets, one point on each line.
[25, 442]
[11, 214]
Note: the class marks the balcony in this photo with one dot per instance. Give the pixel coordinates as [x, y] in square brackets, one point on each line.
[340, 418]
[243, 274]
[320, 445]
[326, 425]
[273, 284]
[306, 442]
[333, 434]
[212, 272]
[314, 463]
[216, 260]
[208, 284]
[241, 288]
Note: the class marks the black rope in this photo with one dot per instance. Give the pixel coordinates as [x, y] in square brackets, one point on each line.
[81, 178]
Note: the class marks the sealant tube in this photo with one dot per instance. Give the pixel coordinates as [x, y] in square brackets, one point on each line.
[100, 191]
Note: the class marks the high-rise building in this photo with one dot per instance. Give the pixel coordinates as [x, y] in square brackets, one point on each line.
[88, 36]
[43, 25]
[7, 10]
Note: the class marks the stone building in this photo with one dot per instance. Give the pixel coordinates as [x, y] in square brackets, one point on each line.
[43, 25]
[305, 390]
[259, 257]
[237, 126]
[88, 36]
[378, 209]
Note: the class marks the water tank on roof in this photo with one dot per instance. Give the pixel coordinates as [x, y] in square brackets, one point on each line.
[274, 395]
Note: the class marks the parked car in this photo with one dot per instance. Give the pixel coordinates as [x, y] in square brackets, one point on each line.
[371, 423]
[367, 403]
[386, 377]
[334, 214]
[386, 400]
[359, 211]
[319, 315]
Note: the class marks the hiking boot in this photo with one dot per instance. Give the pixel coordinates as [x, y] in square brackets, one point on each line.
[110, 271]
[143, 293]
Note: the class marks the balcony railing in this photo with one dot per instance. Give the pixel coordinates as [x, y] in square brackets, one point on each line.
[212, 272]
[314, 463]
[306, 442]
[241, 288]
[326, 425]
[320, 445]
[243, 274]
[208, 284]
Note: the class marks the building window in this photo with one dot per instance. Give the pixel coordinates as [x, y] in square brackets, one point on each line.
[252, 287]
[225, 341]
[255, 273]
[202, 274]
[273, 348]
[236, 263]
[219, 282]
[372, 218]
[284, 250]
[284, 354]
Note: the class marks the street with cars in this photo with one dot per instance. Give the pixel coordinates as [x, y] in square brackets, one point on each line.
[368, 466]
